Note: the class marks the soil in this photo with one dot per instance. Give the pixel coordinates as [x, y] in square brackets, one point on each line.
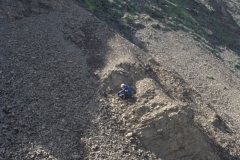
[60, 70]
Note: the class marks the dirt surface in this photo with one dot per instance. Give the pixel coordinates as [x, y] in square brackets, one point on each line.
[60, 70]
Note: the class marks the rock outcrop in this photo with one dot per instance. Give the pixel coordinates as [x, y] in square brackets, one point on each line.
[155, 120]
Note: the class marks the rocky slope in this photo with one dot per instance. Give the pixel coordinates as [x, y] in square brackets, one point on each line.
[61, 68]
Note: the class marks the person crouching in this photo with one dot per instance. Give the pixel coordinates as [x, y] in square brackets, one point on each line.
[126, 92]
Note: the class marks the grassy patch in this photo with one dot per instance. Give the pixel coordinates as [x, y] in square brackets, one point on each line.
[138, 25]
[91, 4]
[28, 100]
[196, 18]
[128, 18]
[158, 26]
[210, 77]
[21, 25]
[104, 75]
[115, 13]
[236, 65]
[218, 55]
[89, 73]
[147, 18]
[155, 25]
[214, 51]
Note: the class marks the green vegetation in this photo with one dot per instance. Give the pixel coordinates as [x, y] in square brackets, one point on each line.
[90, 4]
[21, 25]
[88, 75]
[155, 25]
[210, 77]
[89, 72]
[104, 74]
[130, 20]
[28, 100]
[147, 18]
[236, 65]
[218, 55]
[158, 26]
[229, 60]
[202, 21]
[129, 17]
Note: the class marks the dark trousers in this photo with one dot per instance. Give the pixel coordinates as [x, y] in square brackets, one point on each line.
[124, 94]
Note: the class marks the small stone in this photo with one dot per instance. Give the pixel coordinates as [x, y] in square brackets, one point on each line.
[6, 109]
[32, 156]
[16, 129]
[129, 134]
[75, 156]
[147, 66]
[95, 147]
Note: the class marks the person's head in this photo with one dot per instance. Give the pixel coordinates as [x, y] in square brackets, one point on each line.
[122, 86]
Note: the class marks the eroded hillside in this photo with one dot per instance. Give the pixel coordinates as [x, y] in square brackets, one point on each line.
[61, 68]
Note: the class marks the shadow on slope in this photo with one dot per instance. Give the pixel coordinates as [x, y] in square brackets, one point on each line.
[161, 115]
[49, 101]
[48, 86]
[210, 23]
[13, 10]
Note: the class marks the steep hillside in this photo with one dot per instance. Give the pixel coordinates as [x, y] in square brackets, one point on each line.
[61, 67]
[197, 39]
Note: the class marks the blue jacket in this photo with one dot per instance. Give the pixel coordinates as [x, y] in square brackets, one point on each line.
[126, 87]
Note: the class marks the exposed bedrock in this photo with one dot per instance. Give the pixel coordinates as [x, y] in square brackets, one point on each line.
[162, 124]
